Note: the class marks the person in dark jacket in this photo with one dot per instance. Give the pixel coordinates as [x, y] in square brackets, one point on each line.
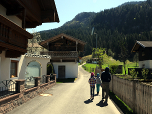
[106, 78]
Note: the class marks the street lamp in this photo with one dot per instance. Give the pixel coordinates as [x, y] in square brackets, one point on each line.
[96, 42]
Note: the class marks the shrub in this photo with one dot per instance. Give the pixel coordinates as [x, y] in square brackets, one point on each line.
[133, 73]
[113, 68]
[49, 69]
[144, 73]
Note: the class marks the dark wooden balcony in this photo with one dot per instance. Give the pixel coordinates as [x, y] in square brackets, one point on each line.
[13, 39]
[61, 54]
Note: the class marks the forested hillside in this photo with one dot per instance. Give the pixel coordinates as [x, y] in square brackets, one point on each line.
[126, 23]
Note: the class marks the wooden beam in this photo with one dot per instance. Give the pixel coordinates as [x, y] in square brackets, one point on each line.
[16, 11]
[47, 14]
[41, 4]
[12, 54]
[32, 25]
[23, 18]
[30, 11]
[12, 47]
[2, 49]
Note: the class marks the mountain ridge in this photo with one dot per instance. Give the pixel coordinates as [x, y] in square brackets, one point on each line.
[127, 23]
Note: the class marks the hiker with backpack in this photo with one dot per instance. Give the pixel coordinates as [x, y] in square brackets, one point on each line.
[106, 78]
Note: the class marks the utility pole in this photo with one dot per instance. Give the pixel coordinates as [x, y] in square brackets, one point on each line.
[96, 43]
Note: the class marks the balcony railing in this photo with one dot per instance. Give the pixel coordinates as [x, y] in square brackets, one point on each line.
[61, 54]
[11, 33]
[7, 87]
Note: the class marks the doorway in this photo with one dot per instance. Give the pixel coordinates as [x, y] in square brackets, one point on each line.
[61, 72]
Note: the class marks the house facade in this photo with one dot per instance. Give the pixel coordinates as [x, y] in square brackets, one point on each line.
[63, 50]
[144, 49]
[15, 17]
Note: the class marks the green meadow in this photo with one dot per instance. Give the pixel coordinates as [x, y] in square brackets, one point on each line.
[110, 61]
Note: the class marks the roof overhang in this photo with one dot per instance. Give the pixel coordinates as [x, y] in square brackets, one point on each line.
[36, 12]
[143, 44]
[55, 38]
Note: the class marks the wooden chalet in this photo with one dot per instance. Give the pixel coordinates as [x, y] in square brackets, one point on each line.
[15, 16]
[63, 50]
[144, 49]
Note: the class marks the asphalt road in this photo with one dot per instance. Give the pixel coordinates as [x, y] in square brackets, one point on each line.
[68, 98]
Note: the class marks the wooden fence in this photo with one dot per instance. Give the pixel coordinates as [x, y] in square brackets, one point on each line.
[137, 95]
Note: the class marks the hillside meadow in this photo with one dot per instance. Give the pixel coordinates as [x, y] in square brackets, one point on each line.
[109, 61]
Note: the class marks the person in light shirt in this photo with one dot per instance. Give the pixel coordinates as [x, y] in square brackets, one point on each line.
[98, 84]
[92, 82]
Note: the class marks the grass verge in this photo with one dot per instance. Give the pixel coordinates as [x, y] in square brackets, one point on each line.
[129, 65]
[124, 108]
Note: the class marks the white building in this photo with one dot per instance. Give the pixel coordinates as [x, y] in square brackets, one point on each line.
[63, 50]
[15, 17]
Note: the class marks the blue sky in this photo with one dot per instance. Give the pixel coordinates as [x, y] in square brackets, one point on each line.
[68, 9]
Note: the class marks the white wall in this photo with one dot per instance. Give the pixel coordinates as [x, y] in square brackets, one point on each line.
[43, 62]
[5, 65]
[71, 69]
[146, 63]
[12, 18]
[21, 67]
[24, 61]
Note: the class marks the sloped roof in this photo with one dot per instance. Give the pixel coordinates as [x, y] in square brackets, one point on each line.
[143, 44]
[55, 38]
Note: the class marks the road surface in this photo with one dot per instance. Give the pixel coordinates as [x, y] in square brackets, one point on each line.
[68, 98]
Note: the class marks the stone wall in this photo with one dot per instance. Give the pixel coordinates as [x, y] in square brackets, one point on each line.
[23, 95]
[137, 95]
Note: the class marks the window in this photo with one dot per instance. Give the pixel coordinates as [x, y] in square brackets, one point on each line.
[13, 69]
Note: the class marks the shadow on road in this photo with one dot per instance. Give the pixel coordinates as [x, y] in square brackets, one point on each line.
[67, 80]
[88, 101]
[102, 104]
[96, 95]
